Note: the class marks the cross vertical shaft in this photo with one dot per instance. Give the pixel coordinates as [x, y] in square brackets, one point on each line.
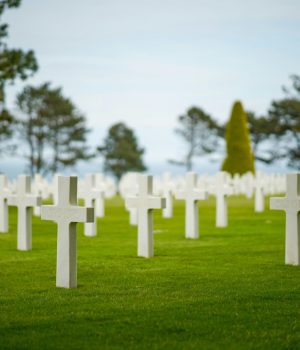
[66, 260]
[145, 202]
[4, 192]
[191, 194]
[291, 205]
[66, 214]
[24, 201]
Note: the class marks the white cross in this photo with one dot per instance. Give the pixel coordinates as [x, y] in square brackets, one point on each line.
[66, 213]
[168, 210]
[222, 190]
[145, 202]
[37, 189]
[248, 181]
[100, 200]
[259, 199]
[90, 194]
[4, 193]
[291, 205]
[191, 195]
[128, 187]
[24, 201]
[168, 188]
[133, 216]
[54, 187]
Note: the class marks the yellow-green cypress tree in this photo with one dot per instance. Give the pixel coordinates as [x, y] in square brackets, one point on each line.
[239, 159]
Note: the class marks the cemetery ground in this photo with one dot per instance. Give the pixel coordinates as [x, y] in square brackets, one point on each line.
[228, 290]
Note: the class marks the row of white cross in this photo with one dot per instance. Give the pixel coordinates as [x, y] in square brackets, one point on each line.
[66, 213]
[248, 184]
[218, 185]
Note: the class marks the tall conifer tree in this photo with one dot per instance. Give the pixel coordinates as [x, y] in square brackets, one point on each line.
[239, 158]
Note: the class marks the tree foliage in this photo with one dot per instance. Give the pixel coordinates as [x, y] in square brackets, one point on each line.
[284, 116]
[14, 64]
[200, 133]
[261, 131]
[121, 151]
[239, 158]
[53, 129]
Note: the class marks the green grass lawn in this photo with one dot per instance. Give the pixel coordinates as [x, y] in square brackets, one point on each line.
[228, 290]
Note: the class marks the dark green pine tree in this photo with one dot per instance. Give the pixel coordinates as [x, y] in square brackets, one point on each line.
[261, 130]
[284, 116]
[67, 131]
[53, 129]
[121, 151]
[33, 127]
[239, 158]
[14, 64]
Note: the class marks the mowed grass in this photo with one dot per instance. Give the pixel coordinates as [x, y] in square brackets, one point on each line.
[228, 290]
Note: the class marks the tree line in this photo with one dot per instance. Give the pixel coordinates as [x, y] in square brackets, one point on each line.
[55, 134]
[274, 136]
[55, 131]
[49, 125]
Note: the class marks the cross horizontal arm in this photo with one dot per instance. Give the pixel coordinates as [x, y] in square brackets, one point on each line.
[180, 195]
[12, 200]
[151, 202]
[26, 201]
[69, 214]
[283, 203]
[277, 203]
[99, 193]
[200, 195]
[156, 202]
[228, 190]
[33, 201]
[131, 202]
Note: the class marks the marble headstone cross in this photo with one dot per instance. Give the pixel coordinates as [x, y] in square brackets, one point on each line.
[291, 205]
[54, 187]
[4, 193]
[133, 216]
[145, 202]
[248, 181]
[259, 199]
[66, 213]
[24, 201]
[191, 195]
[100, 200]
[37, 189]
[222, 190]
[90, 194]
[167, 189]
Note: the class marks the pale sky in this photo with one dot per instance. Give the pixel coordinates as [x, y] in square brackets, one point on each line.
[146, 62]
